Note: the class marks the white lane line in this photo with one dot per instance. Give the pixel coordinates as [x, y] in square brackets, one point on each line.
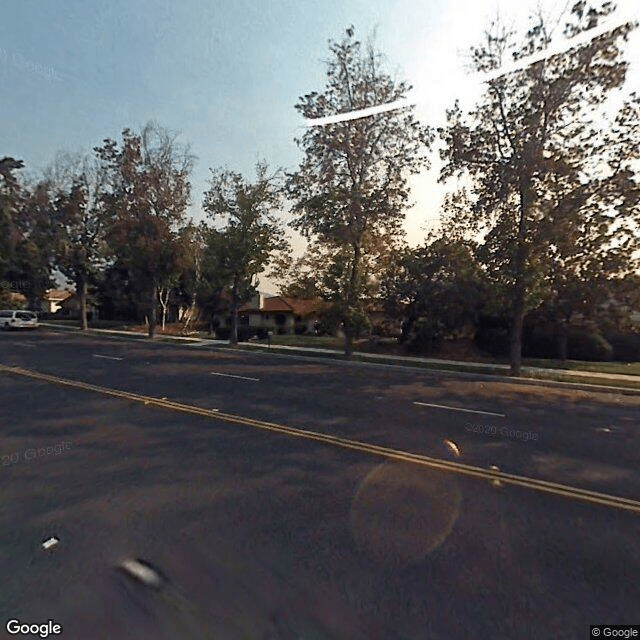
[24, 344]
[441, 406]
[229, 375]
[96, 355]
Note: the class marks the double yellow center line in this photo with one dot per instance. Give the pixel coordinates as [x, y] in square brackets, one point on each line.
[553, 488]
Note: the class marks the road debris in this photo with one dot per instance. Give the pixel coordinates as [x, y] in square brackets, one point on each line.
[453, 447]
[50, 543]
[142, 572]
[495, 482]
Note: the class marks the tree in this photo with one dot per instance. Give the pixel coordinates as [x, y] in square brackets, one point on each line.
[540, 162]
[350, 190]
[251, 234]
[148, 194]
[117, 295]
[192, 241]
[33, 261]
[81, 221]
[439, 285]
[10, 200]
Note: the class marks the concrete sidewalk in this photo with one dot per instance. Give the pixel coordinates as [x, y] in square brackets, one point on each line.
[448, 365]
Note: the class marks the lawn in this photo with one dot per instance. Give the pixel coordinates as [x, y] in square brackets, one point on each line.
[382, 346]
[628, 368]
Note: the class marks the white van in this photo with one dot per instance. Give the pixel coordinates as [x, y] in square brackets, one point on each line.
[18, 320]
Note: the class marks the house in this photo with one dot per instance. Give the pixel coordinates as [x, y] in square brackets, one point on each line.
[280, 314]
[70, 307]
[52, 300]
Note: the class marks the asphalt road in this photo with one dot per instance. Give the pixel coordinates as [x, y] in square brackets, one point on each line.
[283, 517]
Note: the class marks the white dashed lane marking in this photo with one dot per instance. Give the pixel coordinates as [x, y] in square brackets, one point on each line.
[230, 375]
[441, 406]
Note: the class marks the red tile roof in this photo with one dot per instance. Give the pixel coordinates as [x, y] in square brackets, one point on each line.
[305, 307]
[57, 295]
[280, 304]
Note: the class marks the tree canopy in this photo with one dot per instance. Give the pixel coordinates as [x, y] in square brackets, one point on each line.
[351, 189]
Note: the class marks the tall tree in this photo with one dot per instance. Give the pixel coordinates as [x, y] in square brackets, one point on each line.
[81, 221]
[33, 261]
[540, 154]
[351, 189]
[11, 197]
[251, 232]
[148, 195]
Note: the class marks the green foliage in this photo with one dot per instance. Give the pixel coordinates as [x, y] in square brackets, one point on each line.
[626, 347]
[439, 286]
[147, 196]
[7, 297]
[584, 345]
[554, 190]
[247, 236]
[351, 188]
[10, 200]
[492, 335]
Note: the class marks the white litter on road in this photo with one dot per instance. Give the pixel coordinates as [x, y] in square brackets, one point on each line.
[142, 572]
[453, 447]
[96, 355]
[51, 542]
[495, 482]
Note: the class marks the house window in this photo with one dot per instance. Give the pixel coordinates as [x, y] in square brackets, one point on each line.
[243, 321]
[266, 316]
[281, 319]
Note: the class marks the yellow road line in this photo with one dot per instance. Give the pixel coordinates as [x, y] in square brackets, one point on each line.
[544, 486]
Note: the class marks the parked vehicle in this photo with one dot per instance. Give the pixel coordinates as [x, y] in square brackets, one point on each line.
[18, 320]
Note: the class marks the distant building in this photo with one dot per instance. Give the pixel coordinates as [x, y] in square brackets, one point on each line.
[278, 314]
[70, 307]
[52, 300]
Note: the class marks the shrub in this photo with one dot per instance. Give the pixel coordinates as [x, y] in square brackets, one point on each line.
[223, 333]
[245, 333]
[626, 347]
[262, 333]
[300, 328]
[386, 329]
[425, 336]
[539, 342]
[585, 345]
[492, 335]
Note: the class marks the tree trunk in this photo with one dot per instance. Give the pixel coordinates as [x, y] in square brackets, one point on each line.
[153, 311]
[188, 314]
[163, 296]
[233, 336]
[520, 290]
[515, 356]
[81, 290]
[352, 298]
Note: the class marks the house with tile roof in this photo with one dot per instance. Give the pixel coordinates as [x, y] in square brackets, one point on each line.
[281, 314]
[52, 300]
